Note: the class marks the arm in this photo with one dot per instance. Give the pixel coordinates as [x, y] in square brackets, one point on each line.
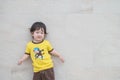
[55, 53]
[25, 56]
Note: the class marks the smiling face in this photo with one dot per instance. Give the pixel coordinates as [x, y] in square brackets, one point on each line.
[38, 31]
[38, 35]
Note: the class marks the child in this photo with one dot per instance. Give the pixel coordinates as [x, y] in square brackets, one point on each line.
[40, 51]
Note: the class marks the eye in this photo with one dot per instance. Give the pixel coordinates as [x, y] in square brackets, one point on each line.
[42, 32]
[37, 32]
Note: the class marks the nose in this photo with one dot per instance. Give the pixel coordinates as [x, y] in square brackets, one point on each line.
[39, 34]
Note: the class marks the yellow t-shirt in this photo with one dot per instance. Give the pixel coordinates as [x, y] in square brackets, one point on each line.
[39, 53]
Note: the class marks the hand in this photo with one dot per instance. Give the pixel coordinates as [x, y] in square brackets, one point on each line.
[58, 55]
[25, 56]
[20, 62]
[62, 60]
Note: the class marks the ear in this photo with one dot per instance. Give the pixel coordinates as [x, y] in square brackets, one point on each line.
[32, 34]
[45, 35]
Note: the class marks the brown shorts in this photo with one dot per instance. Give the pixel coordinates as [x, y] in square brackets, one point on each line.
[47, 74]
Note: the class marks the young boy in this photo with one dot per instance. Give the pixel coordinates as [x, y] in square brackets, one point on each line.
[40, 51]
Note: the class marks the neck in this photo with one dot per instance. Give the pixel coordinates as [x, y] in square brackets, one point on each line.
[35, 41]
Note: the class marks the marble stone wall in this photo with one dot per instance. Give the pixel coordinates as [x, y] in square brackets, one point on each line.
[85, 32]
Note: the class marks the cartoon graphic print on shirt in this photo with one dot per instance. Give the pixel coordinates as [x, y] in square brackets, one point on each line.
[38, 53]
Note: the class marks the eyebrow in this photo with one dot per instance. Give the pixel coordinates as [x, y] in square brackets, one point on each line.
[41, 30]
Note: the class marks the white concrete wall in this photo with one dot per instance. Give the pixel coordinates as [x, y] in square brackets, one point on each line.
[85, 32]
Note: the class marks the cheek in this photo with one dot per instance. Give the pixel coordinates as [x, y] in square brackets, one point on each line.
[34, 34]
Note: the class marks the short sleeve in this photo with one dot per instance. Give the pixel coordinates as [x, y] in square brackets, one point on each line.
[49, 46]
[27, 50]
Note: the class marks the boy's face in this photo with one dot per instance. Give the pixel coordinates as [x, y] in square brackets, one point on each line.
[38, 35]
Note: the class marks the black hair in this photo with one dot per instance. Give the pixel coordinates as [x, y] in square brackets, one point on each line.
[37, 26]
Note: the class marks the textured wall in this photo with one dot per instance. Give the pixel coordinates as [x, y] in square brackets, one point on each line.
[85, 32]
